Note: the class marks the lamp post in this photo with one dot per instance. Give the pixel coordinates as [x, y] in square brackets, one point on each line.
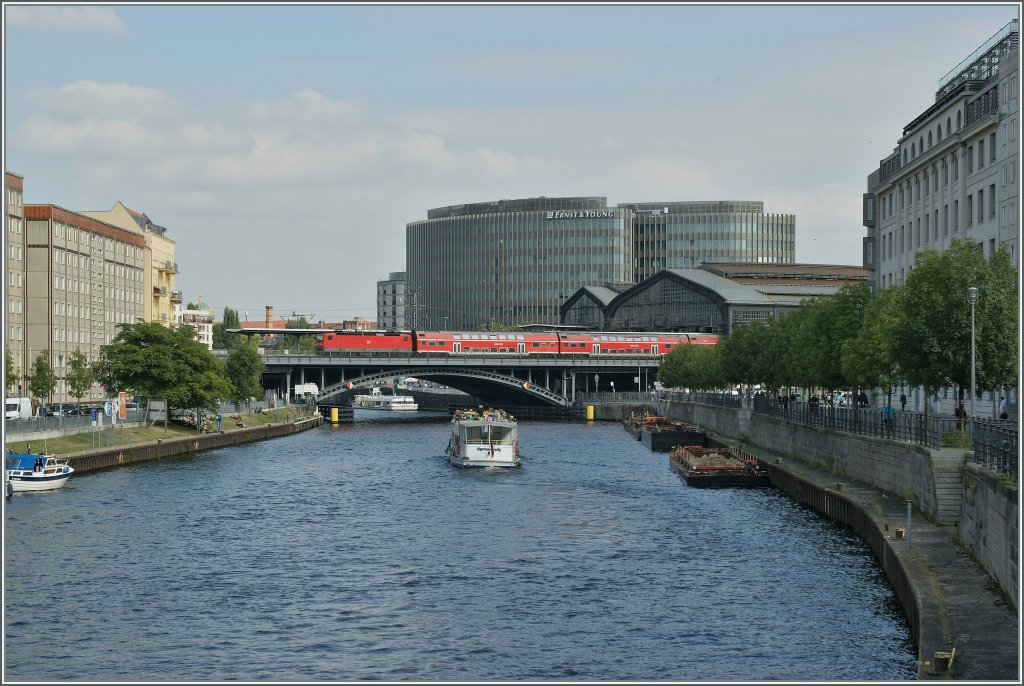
[972, 297]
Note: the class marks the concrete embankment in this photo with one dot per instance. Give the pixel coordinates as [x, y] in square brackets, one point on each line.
[104, 458]
[953, 569]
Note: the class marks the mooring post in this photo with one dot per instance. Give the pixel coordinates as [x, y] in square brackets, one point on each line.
[909, 503]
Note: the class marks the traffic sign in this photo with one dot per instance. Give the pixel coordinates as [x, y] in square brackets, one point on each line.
[108, 408]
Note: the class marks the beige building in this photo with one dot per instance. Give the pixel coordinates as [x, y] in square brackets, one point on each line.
[15, 279]
[161, 295]
[82, 277]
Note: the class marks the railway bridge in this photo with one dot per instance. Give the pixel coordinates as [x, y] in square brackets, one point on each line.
[544, 380]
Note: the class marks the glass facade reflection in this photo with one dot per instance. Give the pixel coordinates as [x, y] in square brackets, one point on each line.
[685, 235]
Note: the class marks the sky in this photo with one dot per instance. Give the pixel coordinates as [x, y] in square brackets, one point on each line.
[286, 147]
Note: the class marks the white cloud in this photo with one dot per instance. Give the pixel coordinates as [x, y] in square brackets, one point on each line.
[50, 18]
[94, 99]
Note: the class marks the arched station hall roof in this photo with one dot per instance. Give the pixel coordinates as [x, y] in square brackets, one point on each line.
[714, 297]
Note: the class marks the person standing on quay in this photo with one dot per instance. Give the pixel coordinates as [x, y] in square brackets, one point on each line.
[1002, 408]
[887, 419]
[903, 402]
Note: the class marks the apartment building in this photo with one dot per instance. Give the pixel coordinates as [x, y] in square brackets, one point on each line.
[161, 268]
[15, 276]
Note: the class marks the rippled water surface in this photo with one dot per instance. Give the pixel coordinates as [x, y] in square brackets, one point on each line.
[358, 553]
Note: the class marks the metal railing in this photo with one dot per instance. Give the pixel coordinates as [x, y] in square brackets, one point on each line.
[721, 399]
[994, 443]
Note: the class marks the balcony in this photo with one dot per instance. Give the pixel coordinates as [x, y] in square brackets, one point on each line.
[159, 290]
[168, 266]
[175, 296]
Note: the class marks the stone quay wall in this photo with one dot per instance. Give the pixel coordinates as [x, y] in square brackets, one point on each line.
[942, 484]
[990, 526]
[104, 458]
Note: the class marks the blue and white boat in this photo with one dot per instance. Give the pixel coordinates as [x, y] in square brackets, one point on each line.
[36, 472]
[488, 438]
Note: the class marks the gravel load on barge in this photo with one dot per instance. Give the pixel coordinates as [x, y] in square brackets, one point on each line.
[718, 467]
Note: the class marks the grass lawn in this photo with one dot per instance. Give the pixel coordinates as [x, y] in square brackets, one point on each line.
[88, 440]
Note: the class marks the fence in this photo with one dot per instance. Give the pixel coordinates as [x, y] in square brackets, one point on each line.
[994, 442]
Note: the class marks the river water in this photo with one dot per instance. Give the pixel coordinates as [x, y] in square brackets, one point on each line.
[357, 553]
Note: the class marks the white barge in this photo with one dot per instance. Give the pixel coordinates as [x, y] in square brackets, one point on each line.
[376, 401]
[489, 438]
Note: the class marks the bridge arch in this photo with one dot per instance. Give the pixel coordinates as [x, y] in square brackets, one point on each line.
[492, 387]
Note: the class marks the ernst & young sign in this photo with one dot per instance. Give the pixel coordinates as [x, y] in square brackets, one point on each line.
[579, 214]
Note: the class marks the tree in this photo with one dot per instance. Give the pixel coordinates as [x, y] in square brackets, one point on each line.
[302, 342]
[742, 354]
[691, 366]
[80, 376]
[41, 380]
[222, 340]
[153, 361]
[244, 371]
[833, 321]
[932, 332]
[10, 375]
[868, 360]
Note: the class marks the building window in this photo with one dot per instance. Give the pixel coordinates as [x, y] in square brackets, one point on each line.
[992, 200]
[970, 158]
[992, 147]
[959, 121]
[940, 133]
[945, 220]
[956, 216]
[981, 153]
[929, 139]
[956, 167]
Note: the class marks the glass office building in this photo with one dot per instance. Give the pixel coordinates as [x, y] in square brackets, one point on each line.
[511, 262]
[515, 262]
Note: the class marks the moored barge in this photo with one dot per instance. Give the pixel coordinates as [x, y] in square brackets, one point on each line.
[661, 434]
[704, 467]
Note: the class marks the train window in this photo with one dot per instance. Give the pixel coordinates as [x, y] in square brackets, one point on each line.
[457, 336]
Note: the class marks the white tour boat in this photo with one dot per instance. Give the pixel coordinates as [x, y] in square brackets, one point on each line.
[34, 472]
[489, 438]
[376, 401]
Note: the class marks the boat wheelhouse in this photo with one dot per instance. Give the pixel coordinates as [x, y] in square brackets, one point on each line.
[488, 438]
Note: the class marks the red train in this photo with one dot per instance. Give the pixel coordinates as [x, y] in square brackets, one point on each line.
[533, 343]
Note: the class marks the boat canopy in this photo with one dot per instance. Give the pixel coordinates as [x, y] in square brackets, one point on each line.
[23, 460]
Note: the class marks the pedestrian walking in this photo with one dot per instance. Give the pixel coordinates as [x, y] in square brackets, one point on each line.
[887, 415]
[903, 402]
[1002, 408]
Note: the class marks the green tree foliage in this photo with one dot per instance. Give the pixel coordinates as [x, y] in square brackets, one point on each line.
[153, 361]
[868, 360]
[743, 354]
[831, 322]
[692, 366]
[299, 343]
[80, 376]
[932, 329]
[10, 376]
[41, 380]
[222, 340]
[244, 371]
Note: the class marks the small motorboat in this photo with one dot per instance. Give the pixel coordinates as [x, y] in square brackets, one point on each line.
[36, 472]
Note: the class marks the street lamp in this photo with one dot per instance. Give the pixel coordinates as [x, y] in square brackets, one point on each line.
[972, 297]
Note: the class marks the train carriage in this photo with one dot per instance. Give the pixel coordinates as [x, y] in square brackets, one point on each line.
[513, 343]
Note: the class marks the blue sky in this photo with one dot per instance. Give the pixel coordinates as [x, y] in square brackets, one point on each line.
[286, 147]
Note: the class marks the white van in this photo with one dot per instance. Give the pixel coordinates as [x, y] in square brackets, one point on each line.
[18, 408]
